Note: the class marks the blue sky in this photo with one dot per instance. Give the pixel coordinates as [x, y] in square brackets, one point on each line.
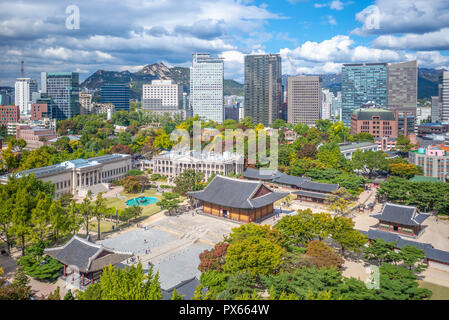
[318, 36]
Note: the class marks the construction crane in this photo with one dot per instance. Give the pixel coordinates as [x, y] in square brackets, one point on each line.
[22, 70]
[292, 65]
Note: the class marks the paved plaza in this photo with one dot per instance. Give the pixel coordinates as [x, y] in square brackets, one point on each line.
[171, 244]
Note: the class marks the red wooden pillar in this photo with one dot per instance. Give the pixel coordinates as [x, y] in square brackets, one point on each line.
[92, 278]
[64, 270]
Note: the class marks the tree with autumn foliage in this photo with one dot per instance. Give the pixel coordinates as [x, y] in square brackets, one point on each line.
[322, 255]
[403, 170]
[214, 258]
[122, 149]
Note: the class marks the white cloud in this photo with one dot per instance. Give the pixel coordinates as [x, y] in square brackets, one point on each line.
[428, 41]
[336, 5]
[331, 20]
[418, 16]
[126, 33]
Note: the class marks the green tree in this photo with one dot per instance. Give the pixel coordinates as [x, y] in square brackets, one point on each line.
[399, 283]
[403, 144]
[18, 290]
[99, 211]
[38, 265]
[255, 254]
[176, 295]
[345, 235]
[299, 228]
[124, 284]
[170, 201]
[189, 180]
[413, 258]
[369, 162]
[380, 251]
[339, 201]
[86, 209]
[238, 284]
[130, 213]
[69, 295]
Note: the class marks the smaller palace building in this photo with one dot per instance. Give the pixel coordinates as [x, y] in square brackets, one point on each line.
[236, 199]
[400, 219]
[274, 178]
[315, 192]
[85, 260]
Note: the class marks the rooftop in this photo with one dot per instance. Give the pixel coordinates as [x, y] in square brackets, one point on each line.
[85, 255]
[429, 250]
[405, 215]
[368, 113]
[345, 147]
[236, 193]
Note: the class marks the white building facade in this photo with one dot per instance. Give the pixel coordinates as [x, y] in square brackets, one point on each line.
[171, 164]
[443, 94]
[24, 88]
[206, 87]
[81, 175]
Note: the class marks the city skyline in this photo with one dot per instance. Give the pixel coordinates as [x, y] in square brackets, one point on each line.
[319, 36]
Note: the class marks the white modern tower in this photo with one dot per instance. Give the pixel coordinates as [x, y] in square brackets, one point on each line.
[206, 87]
[24, 88]
[443, 94]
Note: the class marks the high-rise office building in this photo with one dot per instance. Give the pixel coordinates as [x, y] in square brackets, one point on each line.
[162, 96]
[443, 96]
[327, 104]
[435, 113]
[24, 88]
[362, 83]
[117, 94]
[63, 90]
[206, 87]
[85, 103]
[402, 84]
[304, 99]
[7, 96]
[263, 87]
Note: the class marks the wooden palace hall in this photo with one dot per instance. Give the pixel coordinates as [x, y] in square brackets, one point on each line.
[236, 199]
[84, 260]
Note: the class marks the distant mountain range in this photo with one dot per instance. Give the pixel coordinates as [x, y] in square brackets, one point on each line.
[427, 80]
[151, 72]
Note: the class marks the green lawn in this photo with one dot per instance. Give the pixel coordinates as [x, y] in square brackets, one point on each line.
[438, 292]
[120, 204]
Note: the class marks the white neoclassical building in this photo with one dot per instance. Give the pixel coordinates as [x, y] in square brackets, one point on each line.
[80, 175]
[171, 164]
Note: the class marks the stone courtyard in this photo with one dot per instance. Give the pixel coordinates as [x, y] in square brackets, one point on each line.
[172, 244]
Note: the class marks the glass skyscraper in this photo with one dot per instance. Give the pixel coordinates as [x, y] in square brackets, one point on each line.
[206, 87]
[360, 84]
[263, 87]
[63, 89]
[117, 94]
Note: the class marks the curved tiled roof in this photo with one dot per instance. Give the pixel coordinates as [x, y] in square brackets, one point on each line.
[85, 255]
[236, 193]
[405, 215]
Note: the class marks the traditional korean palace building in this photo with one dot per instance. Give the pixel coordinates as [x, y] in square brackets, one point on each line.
[84, 260]
[315, 192]
[80, 175]
[237, 199]
[435, 258]
[400, 219]
[274, 178]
